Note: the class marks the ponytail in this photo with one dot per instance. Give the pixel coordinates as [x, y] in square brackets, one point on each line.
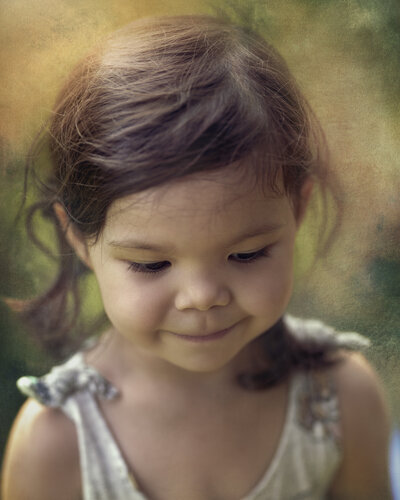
[52, 317]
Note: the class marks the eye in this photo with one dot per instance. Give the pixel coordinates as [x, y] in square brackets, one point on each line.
[248, 257]
[149, 267]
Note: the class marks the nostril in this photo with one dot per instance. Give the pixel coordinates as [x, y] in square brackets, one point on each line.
[202, 297]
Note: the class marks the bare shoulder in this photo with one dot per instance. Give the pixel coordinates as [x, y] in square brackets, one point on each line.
[42, 458]
[364, 472]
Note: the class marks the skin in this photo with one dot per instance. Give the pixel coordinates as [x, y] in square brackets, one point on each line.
[190, 275]
[221, 256]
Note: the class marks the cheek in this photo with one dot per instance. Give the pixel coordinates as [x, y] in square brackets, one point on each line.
[272, 289]
[128, 303]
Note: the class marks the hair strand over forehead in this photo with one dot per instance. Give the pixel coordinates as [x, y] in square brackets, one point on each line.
[168, 97]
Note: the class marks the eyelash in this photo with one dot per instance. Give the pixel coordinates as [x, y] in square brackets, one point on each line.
[252, 256]
[145, 268]
[158, 267]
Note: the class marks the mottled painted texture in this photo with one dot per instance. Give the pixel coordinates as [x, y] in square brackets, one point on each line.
[345, 54]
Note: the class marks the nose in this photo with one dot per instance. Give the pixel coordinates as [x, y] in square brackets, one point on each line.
[202, 293]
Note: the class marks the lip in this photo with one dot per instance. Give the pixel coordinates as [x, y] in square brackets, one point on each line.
[204, 338]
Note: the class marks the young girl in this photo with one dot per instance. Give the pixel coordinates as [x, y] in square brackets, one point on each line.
[183, 158]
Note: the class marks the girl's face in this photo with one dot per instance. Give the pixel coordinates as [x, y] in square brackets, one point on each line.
[190, 273]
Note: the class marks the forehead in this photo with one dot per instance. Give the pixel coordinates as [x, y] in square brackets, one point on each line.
[200, 206]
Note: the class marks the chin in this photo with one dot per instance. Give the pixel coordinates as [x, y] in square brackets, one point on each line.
[198, 366]
[204, 364]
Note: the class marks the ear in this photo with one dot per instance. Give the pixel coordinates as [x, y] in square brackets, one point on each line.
[304, 199]
[73, 236]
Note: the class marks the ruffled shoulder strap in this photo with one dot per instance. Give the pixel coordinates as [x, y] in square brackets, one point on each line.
[72, 388]
[316, 332]
[64, 380]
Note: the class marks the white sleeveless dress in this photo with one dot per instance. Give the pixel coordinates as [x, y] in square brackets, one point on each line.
[304, 463]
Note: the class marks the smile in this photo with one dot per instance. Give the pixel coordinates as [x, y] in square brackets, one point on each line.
[204, 338]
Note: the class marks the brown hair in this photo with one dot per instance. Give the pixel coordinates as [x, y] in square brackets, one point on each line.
[162, 99]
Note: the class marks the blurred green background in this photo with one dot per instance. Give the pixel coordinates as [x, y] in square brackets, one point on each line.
[345, 55]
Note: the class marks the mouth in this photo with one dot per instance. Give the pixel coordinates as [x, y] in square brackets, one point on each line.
[207, 337]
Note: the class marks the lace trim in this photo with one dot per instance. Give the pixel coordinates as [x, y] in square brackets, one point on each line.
[317, 332]
[62, 381]
[318, 408]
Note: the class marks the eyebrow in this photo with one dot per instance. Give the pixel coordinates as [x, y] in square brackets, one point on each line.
[143, 245]
[138, 245]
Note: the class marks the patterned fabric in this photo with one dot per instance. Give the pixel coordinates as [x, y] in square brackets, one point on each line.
[318, 411]
[63, 381]
[308, 453]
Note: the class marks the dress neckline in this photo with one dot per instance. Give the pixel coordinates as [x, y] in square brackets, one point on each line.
[267, 475]
[283, 439]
